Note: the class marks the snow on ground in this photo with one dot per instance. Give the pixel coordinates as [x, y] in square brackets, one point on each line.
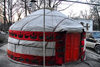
[93, 60]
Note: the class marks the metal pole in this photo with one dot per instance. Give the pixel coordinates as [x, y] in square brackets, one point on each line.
[44, 36]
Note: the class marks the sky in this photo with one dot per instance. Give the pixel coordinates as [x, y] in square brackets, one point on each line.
[75, 8]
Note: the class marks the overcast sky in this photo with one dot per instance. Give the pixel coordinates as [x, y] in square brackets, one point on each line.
[75, 8]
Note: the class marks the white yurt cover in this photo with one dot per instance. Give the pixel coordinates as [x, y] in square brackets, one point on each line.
[54, 22]
[34, 22]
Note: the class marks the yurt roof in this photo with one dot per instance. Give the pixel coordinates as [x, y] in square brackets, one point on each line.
[54, 21]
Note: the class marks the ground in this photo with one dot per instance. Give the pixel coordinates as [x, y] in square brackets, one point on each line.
[92, 60]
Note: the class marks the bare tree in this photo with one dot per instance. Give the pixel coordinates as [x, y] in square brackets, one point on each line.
[38, 4]
[4, 13]
[84, 15]
[71, 14]
[95, 11]
[19, 13]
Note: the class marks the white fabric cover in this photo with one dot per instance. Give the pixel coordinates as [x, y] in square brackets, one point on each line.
[34, 22]
[38, 44]
[30, 47]
[30, 50]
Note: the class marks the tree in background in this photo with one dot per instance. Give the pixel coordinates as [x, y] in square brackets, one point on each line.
[8, 9]
[38, 4]
[24, 7]
[94, 12]
[84, 15]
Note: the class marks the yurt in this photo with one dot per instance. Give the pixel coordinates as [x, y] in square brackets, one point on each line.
[64, 39]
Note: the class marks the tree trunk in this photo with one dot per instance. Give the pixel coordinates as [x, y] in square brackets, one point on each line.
[25, 8]
[4, 13]
[98, 18]
[10, 12]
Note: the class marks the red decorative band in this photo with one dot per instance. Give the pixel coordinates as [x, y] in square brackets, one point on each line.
[36, 36]
[31, 59]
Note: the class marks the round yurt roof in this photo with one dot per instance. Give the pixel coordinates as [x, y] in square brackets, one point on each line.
[54, 21]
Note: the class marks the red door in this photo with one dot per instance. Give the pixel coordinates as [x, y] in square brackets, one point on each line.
[72, 47]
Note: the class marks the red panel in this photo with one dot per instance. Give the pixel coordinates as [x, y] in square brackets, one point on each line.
[31, 59]
[72, 47]
[35, 36]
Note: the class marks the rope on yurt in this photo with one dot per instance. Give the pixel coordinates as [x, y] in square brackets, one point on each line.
[32, 20]
[59, 24]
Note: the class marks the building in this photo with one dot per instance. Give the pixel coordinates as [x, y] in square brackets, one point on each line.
[88, 24]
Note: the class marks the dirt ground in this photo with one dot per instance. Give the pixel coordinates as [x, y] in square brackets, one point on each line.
[92, 60]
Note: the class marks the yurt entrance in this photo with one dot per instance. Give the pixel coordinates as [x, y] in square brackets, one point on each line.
[64, 41]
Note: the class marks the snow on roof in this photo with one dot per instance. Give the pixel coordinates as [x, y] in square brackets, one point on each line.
[55, 21]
